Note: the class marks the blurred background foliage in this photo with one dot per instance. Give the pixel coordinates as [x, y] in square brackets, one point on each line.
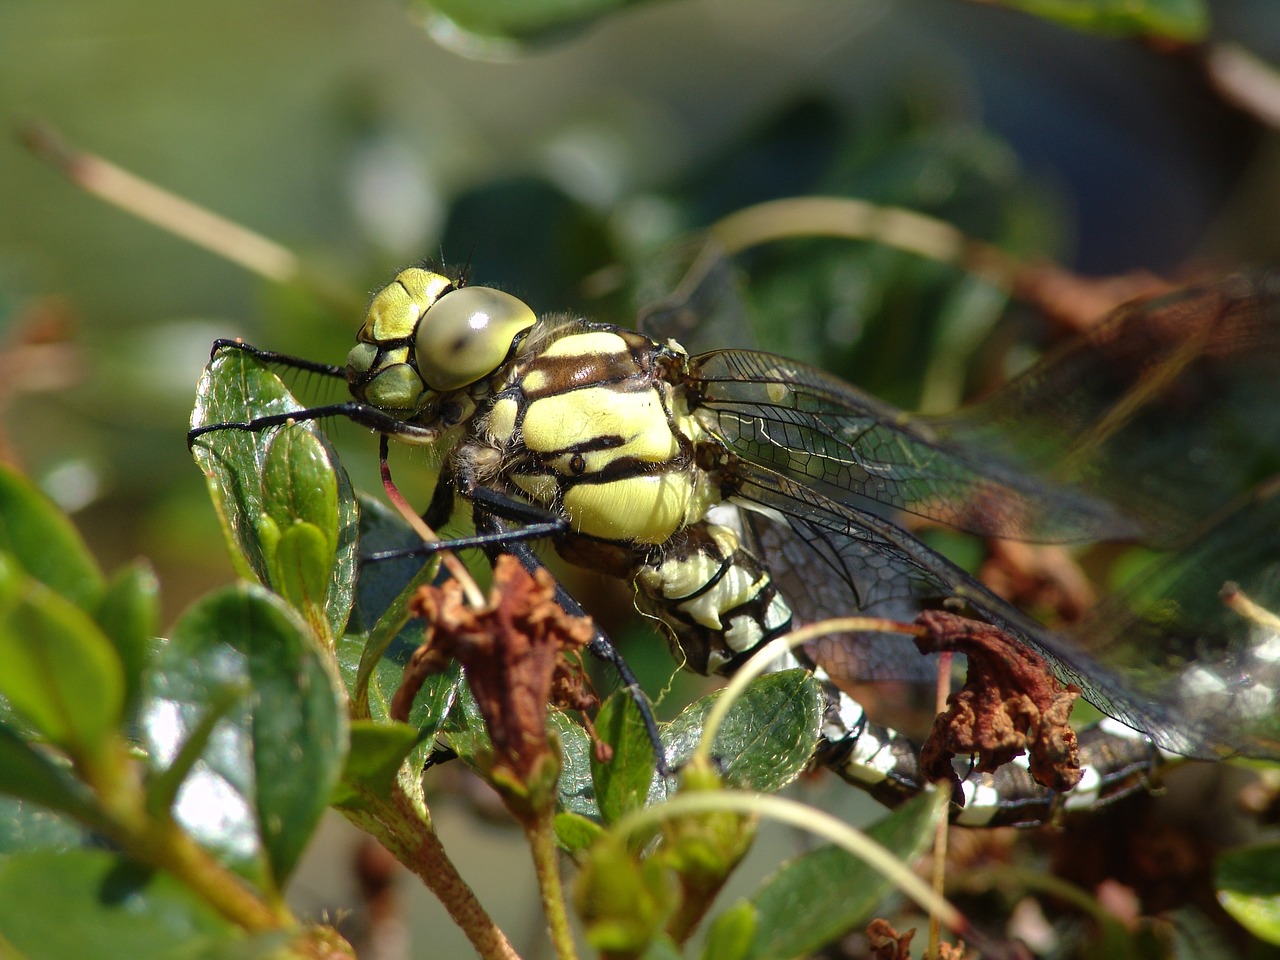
[345, 132]
[558, 157]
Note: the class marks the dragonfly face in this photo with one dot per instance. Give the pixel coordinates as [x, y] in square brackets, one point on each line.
[424, 335]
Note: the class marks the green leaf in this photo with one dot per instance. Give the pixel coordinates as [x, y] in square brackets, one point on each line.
[662, 947]
[826, 892]
[1248, 884]
[301, 571]
[27, 826]
[575, 832]
[77, 903]
[431, 707]
[29, 773]
[300, 495]
[127, 614]
[273, 760]
[44, 543]
[377, 752]
[577, 792]
[731, 935]
[622, 784]
[623, 903]
[766, 739]
[262, 484]
[60, 672]
[1175, 19]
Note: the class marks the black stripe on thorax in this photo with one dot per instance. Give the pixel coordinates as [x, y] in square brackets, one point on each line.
[623, 468]
[568, 373]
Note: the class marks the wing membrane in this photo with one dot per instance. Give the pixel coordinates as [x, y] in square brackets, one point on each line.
[883, 565]
[1166, 408]
[817, 430]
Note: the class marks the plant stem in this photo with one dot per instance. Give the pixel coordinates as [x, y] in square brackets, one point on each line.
[405, 829]
[158, 841]
[162, 844]
[542, 844]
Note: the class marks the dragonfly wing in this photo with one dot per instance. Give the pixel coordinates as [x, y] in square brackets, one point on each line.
[1166, 407]
[883, 564]
[817, 430]
[1175, 638]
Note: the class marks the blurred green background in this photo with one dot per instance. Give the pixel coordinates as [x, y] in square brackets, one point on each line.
[362, 140]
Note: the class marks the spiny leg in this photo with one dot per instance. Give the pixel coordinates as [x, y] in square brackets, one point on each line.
[278, 359]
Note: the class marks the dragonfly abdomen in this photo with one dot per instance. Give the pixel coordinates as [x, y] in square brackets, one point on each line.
[721, 605]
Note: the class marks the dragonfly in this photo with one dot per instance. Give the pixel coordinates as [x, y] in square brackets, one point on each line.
[742, 492]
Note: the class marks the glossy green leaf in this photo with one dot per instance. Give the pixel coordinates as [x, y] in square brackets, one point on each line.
[378, 750]
[1248, 884]
[577, 792]
[60, 672]
[826, 892]
[301, 569]
[29, 773]
[575, 832]
[27, 826]
[44, 542]
[128, 614]
[1174, 19]
[300, 494]
[431, 707]
[78, 903]
[622, 784]
[275, 756]
[298, 475]
[465, 731]
[265, 482]
[766, 739]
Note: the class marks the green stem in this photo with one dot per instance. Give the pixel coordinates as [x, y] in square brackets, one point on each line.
[546, 864]
[156, 840]
[162, 844]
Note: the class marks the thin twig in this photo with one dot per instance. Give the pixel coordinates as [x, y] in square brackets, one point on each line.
[160, 207]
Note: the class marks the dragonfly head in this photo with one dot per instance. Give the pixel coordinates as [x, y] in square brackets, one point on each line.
[423, 333]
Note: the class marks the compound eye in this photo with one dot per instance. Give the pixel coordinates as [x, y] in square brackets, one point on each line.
[466, 334]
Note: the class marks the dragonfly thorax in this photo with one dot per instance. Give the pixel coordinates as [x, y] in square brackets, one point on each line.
[590, 422]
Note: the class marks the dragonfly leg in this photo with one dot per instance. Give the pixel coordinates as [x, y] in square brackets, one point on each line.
[278, 359]
[361, 413]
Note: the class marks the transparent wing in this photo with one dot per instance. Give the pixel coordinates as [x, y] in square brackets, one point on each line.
[884, 569]
[1166, 408]
[1174, 636]
[819, 431]
[1158, 416]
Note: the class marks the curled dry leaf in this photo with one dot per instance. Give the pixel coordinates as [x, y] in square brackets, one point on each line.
[1010, 704]
[886, 943]
[520, 654]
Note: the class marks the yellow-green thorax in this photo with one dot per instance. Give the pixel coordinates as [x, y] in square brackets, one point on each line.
[589, 424]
